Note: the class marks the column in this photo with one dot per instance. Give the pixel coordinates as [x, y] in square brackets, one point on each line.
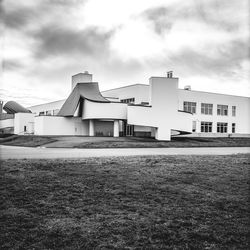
[91, 128]
[116, 128]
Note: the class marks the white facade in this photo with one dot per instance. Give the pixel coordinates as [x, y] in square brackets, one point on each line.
[56, 125]
[24, 123]
[159, 110]
[241, 119]
[51, 108]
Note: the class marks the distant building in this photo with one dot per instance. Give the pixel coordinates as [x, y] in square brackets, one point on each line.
[157, 110]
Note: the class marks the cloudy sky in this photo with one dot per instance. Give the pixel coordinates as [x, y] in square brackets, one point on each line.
[44, 42]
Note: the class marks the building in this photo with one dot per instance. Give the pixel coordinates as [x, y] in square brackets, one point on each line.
[159, 109]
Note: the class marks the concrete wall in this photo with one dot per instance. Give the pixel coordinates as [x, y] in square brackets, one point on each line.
[163, 115]
[22, 122]
[55, 125]
[242, 118]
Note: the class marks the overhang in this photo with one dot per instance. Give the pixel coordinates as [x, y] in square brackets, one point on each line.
[89, 91]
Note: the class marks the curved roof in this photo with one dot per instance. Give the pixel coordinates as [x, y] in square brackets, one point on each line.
[12, 107]
[89, 91]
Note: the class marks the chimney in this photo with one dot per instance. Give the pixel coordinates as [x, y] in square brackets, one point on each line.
[170, 74]
[81, 77]
[187, 87]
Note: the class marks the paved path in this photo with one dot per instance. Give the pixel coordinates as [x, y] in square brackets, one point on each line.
[11, 152]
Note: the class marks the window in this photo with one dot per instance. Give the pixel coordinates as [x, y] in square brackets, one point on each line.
[221, 127]
[41, 113]
[233, 127]
[189, 107]
[48, 112]
[194, 126]
[129, 100]
[24, 128]
[206, 127]
[233, 110]
[207, 108]
[222, 109]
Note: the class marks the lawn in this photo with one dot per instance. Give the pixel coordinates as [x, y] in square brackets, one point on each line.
[122, 142]
[176, 142]
[26, 140]
[149, 202]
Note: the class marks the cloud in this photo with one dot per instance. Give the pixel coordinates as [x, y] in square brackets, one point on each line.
[54, 41]
[18, 18]
[11, 65]
[122, 42]
[160, 17]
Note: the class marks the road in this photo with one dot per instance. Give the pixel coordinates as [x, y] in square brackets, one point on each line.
[11, 152]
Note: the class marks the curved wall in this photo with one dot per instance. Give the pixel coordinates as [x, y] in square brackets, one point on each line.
[96, 110]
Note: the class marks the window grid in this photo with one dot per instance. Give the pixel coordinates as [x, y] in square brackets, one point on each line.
[194, 126]
[206, 127]
[207, 108]
[128, 100]
[233, 127]
[221, 127]
[189, 107]
[233, 110]
[222, 110]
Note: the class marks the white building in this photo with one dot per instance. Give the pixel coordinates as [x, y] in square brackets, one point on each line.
[158, 110]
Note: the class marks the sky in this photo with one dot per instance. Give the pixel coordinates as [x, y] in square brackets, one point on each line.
[122, 42]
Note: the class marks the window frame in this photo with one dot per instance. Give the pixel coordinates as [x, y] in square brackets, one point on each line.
[206, 108]
[222, 110]
[194, 126]
[189, 107]
[233, 128]
[234, 111]
[206, 127]
[222, 127]
[128, 100]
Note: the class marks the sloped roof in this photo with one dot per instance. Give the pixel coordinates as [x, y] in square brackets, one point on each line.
[12, 107]
[89, 91]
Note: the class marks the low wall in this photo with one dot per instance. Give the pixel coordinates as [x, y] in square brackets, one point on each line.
[56, 125]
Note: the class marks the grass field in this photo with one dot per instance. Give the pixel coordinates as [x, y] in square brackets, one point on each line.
[121, 142]
[184, 202]
[26, 140]
[176, 142]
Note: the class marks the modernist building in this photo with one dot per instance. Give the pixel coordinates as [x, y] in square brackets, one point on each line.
[159, 109]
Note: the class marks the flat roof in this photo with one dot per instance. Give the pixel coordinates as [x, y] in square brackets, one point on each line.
[131, 85]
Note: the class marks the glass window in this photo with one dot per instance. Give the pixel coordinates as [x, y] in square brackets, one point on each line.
[41, 113]
[207, 108]
[25, 129]
[206, 127]
[128, 100]
[233, 110]
[189, 107]
[222, 109]
[194, 126]
[221, 127]
[233, 127]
